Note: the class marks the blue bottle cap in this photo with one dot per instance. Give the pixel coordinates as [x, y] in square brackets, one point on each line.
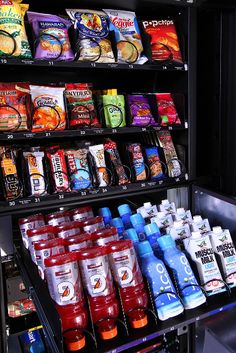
[124, 209]
[137, 219]
[166, 242]
[104, 212]
[117, 222]
[152, 228]
[131, 234]
[144, 248]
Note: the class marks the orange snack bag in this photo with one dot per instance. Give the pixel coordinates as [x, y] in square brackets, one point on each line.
[49, 108]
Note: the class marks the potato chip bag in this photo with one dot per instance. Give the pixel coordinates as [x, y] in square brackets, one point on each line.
[52, 39]
[127, 34]
[49, 108]
[13, 38]
[93, 43]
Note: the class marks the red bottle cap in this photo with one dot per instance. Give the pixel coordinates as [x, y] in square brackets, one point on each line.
[104, 233]
[41, 230]
[81, 210]
[31, 218]
[45, 244]
[119, 245]
[68, 226]
[58, 214]
[91, 221]
[77, 238]
[61, 259]
[91, 253]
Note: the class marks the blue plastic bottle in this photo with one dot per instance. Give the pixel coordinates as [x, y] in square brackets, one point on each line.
[125, 213]
[132, 235]
[117, 223]
[105, 213]
[138, 224]
[152, 232]
[176, 260]
[167, 305]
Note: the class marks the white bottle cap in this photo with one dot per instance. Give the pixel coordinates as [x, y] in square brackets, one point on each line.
[165, 202]
[180, 211]
[147, 205]
[196, 235]
[197, 218]
[178, 224]
[217, 230]
[161, 214]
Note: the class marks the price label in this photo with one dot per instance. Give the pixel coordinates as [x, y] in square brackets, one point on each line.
[82, 132]
[172, 328]
[144, 129]
[10, 137]
[114, 131]
[51, 63]
[160, 182]
[28, 136]
[27, 62]
[12, 203]
[144, 339]
[143, 185]
[98, 131]
[83, 193]
[61, 197]
[47, 134]
[93, 64]
[124, 187]
[164, 67]
[37, 200]
[112, 65]
[170, 127]
[104, 190]
[3, 61]
[131, 66]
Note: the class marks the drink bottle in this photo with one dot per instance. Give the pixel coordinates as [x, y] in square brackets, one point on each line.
[31, 222]
[132, 235]
[125, 213]
[82, 213]
[43, 233]
[56, 218]
[103, 236]
[152, 232]
[68, 229]
[138, 224]
[118, 224]
[105, 213]
[77, 242]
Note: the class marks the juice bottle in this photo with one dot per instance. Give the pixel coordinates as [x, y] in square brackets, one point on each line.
[103, 236]
[78, 241]
[64, 284]
[128, 277]
[39, 234]
[97, 280]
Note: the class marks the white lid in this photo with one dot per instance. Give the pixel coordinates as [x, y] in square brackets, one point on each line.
[197, 218]
[178, 224]
[196, 235]
[147, 205]
[180, 211]
[217, 230]
[161, 214]
[165, 202]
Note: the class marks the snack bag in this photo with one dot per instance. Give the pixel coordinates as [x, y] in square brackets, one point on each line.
[166, 109]
[81, 105]
[163, 40]
[93, 43]
[49, 108]
[97, 153]
[77, 161]
[13, 39]
[11, 181]
[154, 164]
[114, 110]
[111, 148]
[127, 34]
[56, 156]
[140, 111]
[137, 160]
[166, 142]
[14, 106]
[52, 39]
[35, 172]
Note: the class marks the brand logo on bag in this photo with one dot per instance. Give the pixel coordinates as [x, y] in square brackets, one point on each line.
[122, 23]
[157, 23]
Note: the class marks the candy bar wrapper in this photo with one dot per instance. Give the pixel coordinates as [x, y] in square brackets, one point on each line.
[81, 105]
[97, 153]
[135, 151]
[154, 164]
[164, 40]
[166, 109]
[114, 110]
[111, 147]
[93, 43]
[11, 181]
[58, 167]
[52, 38]
[34, 162]
[140, 111]
[166, 142]
[14, 106]
[77, 161]
[127, 35]
[49, 108]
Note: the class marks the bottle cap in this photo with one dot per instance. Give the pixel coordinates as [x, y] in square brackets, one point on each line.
[124, 209]
[151, 228]
[32, 218]
[107, 335]
[131, 234]
[91, 253]
[180, 211]
[41, 230]
[165, 202]
[104, 212]
[217, 230]
[74, 342]
[103, 233]
[119, 245]
[117, 222]
[196, 235]
[47, 244]
[137, 219]
[144, 248]
[166, 242]
[197, 218]
[147, 205]
[178, 224]
[139, 323]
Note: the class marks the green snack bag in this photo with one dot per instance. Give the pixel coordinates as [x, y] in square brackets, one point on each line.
[114, 110]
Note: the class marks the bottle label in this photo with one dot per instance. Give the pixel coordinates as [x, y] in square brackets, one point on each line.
[68, 233]
[26, 226]
[104, 241]
[125, 268]
[96, 276]
[94, 227]
[64, 283]
[41, 255]
[78, 246]
[32, 240]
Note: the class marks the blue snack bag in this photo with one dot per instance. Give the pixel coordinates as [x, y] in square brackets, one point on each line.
[154, 163]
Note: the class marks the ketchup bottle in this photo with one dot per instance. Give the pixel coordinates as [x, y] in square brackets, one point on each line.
[97, 280]
[129, 278]
[64, 284]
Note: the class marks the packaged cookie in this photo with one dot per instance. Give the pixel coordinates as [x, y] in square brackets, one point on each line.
[80, 104]
[35, 175]
[13, 38]
[77, 160]
[97, 152]
[52, 39]
[140, 111]
[127, 35]
[137, 161]
[154, 163]
[114, 110]
[166, 142]
[49, 108]
[14, 106]
[58, 169]
[93, 43]
[166, 109]
[163, 39]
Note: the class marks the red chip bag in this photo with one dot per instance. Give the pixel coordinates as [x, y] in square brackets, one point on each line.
[166, 109]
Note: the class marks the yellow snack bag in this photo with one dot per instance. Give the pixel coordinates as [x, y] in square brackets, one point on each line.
[13, 38]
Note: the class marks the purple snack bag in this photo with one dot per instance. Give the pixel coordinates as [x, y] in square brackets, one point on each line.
[140, 111]
[52, 39]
